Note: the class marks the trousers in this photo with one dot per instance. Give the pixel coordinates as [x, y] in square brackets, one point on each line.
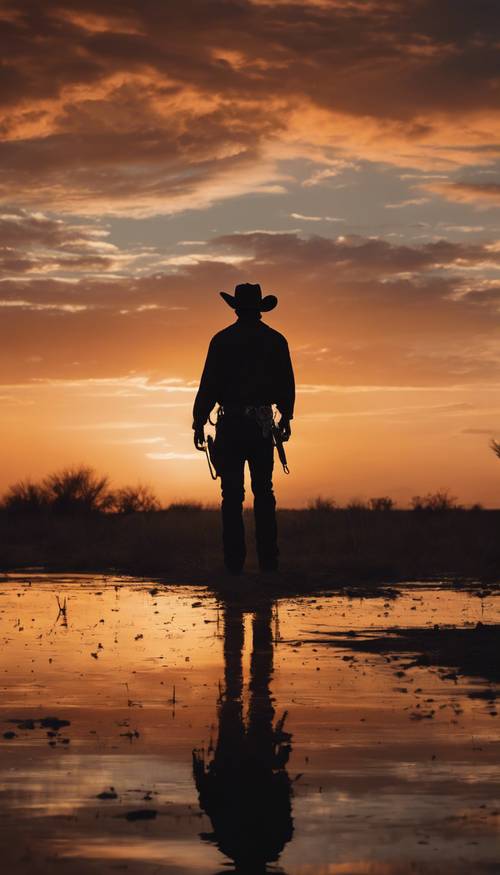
[239, 439]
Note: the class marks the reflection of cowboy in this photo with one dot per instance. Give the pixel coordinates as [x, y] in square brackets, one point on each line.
[245, 789]
[248, 369]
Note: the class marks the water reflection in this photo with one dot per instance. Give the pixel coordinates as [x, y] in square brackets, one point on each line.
[399, 755]
[243, 785]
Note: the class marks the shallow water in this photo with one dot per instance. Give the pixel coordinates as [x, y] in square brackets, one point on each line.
[382, 766]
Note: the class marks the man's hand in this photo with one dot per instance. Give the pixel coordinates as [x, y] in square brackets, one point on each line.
[199, 436]
[284, 429]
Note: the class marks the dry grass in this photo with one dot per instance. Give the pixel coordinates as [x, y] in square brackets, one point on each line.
[183, 542]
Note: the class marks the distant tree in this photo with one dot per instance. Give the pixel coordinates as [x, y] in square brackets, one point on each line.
[25, 496]
[78, 490]
[495, 446]
[135, 499]
[382, 503]
[435, 501]
[322, 504]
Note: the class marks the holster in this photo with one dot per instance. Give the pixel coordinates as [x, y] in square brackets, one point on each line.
[214, 456]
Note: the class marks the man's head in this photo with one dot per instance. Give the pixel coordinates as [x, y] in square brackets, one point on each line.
[248, 299]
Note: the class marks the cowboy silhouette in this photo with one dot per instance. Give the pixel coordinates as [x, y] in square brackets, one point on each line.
[244, 788]
[247, 370]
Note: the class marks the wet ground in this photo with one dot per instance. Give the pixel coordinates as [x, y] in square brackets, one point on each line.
[150, 729]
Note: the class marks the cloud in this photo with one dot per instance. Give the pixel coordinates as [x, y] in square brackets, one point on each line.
[111, 426]
[103, 386]
[20, 304]
[376, 312]
[487, 431]
[396, 388]
[152, 109]
[325, 264]
[416, 411]
[464, 229]
[32, 243]
[315, 218]
[354, 256]
[34, 246]
[335, 168]
[485, 195]
[409, 202]
[173, 457]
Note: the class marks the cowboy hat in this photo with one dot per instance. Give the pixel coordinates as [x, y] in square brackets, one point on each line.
[248, 296]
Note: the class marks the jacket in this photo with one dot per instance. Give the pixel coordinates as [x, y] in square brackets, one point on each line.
[247, 363]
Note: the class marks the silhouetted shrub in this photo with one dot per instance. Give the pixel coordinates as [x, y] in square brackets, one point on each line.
[495, 446]
[435, 501]
[356, 504]
[78, 490]
[186, 506]
[381, 503]
[322, 504]
[135, 499]
[25, 497]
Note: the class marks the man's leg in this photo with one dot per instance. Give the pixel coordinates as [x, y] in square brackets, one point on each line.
[261, 461]
[233, 493]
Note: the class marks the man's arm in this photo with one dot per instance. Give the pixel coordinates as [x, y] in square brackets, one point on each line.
[206, 396]
[286, 391]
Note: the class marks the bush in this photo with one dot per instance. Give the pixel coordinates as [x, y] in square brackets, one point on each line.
[25, 497]
[78, 490]
[356, 504]
[436, 502]
[81, 490]
[322, 504]
[186, 506]
[135, 499]
[383, 503]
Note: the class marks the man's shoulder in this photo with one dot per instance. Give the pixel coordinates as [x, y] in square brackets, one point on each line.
[273, 334]
[232, 333]
[223, 335]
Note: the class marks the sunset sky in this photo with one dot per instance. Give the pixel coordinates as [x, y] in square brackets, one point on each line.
[343, 153]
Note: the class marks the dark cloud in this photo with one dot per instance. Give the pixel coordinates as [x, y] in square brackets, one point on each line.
[34, 243]
[150, 107]
[337, 262]
[355, 256]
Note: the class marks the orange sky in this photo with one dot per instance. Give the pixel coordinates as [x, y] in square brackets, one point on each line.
[343, 154]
